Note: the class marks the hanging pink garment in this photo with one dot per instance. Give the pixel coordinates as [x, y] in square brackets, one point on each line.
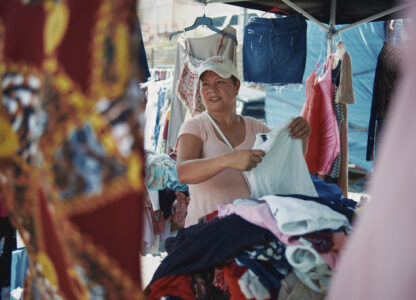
[324, 142]
[379, 260]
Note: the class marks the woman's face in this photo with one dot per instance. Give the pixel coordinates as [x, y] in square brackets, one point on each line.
[218, 94]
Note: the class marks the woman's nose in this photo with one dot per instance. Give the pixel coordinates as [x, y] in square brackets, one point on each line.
[211, 88]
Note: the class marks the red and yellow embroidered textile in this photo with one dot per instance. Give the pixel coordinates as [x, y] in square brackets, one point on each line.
[73, 186]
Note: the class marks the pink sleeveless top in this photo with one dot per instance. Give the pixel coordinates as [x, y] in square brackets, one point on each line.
[226, 186]
[324, 141]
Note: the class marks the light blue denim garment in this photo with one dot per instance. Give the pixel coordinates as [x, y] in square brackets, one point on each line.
[274, 50]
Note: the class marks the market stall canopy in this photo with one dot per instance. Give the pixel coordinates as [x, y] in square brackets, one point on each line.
[346, 11]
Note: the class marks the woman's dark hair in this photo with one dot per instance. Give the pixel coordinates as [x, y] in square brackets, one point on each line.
[234, 79]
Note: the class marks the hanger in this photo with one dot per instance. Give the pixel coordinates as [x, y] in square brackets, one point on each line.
[339, 36]
[322, 54]
[207, 21]
[276, 9]
[339, 53]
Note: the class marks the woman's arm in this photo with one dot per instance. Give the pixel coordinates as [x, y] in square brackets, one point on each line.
[193, 169]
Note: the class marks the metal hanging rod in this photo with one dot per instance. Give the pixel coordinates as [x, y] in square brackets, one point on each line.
[376, 16]
[331, 28]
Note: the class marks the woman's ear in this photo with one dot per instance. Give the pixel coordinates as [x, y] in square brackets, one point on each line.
[237, 86]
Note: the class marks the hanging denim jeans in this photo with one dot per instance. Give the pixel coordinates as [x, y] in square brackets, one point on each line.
[274, 50]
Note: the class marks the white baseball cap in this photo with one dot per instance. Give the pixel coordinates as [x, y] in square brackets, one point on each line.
[220, 65]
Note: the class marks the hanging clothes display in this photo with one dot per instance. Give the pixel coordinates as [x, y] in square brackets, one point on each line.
[324, 141]
[156, 229]
[158, 223]
[159, 95]
[71, 154]
[343, 95]
[274, 50]
[202, 48]
[387, 74]
[168, 199]
[344, 92]
[166, 203]
[333, 174]
[188, 87]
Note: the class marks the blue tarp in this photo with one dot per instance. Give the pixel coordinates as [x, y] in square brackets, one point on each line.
[363, 44]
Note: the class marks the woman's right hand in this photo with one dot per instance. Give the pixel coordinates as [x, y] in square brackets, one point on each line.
[244, 160]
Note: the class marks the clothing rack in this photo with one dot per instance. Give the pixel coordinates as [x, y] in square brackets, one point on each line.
[330, 29]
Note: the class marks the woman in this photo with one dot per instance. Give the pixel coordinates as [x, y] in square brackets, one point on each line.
[211, 169]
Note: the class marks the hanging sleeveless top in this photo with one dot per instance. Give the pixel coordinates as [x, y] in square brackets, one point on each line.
[188, 88]
[324, 142]
[202, 48]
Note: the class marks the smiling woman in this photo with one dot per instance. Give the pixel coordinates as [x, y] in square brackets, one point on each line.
[214, 148]
[218, 93]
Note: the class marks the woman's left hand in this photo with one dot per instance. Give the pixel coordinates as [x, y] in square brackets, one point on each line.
[299, 128]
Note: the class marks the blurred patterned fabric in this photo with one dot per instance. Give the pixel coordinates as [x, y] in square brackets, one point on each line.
[71, 159]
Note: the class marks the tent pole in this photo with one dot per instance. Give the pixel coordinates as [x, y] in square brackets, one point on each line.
[376, 16]
[305, 14]
[332, 30]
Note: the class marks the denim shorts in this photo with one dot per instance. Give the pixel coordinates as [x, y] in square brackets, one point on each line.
[274, 50]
